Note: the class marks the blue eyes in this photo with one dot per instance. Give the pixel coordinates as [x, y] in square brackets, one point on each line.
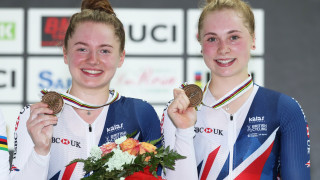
[81, 49]
[212, 39]
[103, 51]
[232, 38]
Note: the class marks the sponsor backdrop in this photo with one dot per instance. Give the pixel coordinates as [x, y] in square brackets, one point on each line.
[162, 52]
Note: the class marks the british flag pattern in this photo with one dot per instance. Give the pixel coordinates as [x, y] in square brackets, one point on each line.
[265, 139]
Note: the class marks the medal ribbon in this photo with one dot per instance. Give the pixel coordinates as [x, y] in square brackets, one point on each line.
[231, 95]
[76, 102]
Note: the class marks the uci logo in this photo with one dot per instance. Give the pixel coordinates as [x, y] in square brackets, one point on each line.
[10, 77]
[159, 33]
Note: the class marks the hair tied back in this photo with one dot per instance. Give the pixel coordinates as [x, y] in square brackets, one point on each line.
[99, 5]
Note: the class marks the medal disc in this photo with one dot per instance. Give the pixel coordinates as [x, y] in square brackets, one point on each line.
[54, 101]
[194, 93]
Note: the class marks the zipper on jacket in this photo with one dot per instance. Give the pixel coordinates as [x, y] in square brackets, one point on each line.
[230, 140]
[90, 128]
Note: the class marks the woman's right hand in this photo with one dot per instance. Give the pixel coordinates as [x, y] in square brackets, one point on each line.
[179, 111]
[40, 127]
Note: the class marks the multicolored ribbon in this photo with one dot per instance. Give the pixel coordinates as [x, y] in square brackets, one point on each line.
[3, 143]
[231, 95]
[76, 102]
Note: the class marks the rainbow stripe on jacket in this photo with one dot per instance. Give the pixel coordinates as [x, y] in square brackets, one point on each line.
[3, 143]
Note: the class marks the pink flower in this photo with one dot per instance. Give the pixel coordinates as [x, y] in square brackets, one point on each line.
[107, 148]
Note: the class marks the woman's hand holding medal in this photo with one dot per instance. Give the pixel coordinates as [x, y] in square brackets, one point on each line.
[41, 121]
[181, 111]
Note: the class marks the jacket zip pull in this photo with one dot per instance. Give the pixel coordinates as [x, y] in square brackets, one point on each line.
[231, 117]
[90, 128]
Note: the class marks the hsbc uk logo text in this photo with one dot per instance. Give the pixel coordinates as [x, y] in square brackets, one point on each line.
[66, 142]
[208, 130]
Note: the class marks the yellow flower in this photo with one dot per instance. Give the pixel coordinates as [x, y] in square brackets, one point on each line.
[146, 147]
[131, 146]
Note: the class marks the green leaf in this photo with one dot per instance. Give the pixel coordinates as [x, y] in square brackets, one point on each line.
[153, 142]
[132, 134]
[163, 156]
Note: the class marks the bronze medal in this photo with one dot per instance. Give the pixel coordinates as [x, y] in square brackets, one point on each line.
[54, 101]
[194, 93]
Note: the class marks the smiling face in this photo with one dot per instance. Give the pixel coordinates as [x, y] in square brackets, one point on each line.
[93, 55]
[226, 43]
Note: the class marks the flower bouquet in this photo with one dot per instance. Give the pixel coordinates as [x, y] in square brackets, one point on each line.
[127, 159]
